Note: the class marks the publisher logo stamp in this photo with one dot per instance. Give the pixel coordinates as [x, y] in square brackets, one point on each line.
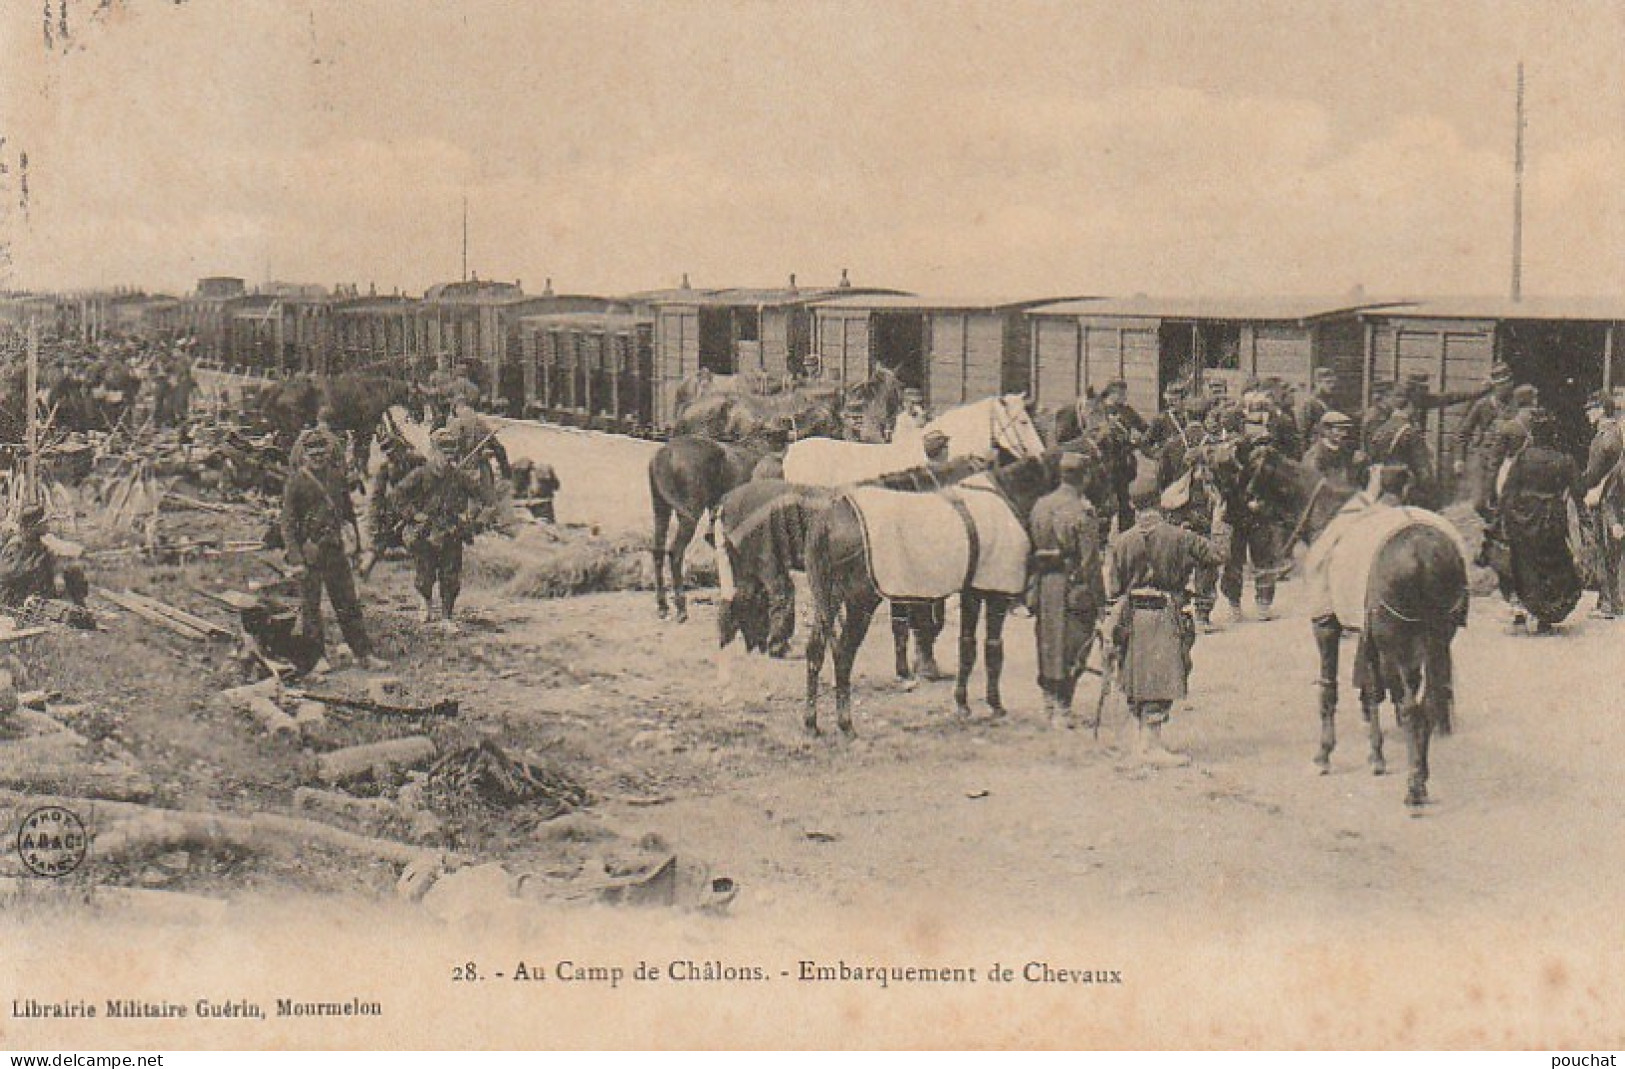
[52, 841]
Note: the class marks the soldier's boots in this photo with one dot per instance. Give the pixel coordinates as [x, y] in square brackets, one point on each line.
[1155, 752]
[426, 611]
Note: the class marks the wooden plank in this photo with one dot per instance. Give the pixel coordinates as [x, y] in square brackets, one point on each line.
[208, 627]
[153, 616]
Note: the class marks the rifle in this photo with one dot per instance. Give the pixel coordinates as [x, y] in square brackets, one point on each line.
[1108, 675]
[443, 707]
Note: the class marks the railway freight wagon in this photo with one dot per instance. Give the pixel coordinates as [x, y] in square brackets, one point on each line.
[589, 369]
[1210, 345]
[953, 350]
[728, 332]
[1566, 347]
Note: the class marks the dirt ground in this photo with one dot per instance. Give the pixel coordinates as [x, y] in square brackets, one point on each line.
[961, 826]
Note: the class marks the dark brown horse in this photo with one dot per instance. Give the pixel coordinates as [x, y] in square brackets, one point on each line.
[688, 477]
[763, 532]
[845, 594]
[1416, 599]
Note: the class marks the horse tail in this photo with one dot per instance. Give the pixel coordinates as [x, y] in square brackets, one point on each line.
[660, 502]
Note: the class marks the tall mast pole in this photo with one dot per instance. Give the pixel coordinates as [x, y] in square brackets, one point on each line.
[31, 405]
[465, 235]
[1517, 198]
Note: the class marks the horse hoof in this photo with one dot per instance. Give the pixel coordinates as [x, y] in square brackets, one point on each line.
[1323, 765]
[1416, 797]
[663, 612]
[1379, 767]
[682, 616]
[812, 729]
[996, 710]
[848, 731]
[962, 710]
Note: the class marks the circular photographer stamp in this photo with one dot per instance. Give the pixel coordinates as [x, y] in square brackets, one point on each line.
[52, 841]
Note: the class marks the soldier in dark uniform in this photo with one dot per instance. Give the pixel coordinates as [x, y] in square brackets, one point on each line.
[925, 618]
[1245, 535]
[1401, 440]
[1508, 438]
[1376, 412]
[1314, 407]
[1605, 501]
[536, 484]
[1534, 523]
[384, 518]
[1171, 426]
[316, 509]
[1152, 632]
[440, 500]
[1334, 455]
[1117, 429]
[1067, 591]
[28, 567]
[1475, 438]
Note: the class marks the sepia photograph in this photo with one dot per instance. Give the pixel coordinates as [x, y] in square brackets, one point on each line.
[732, 524]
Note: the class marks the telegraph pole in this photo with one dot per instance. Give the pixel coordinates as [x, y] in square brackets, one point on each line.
[31, 406]
[1517, 198]
[465, 236]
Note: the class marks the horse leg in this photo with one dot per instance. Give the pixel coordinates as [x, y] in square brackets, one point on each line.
[858, 615]
[993, 647]
[1413, 718]
[1328, 636]
[1372, 689]
[926, 620]
[970, 611]
[817, 639]
[1441, 682]
[686, 526]
[662, 513]
[899, 639]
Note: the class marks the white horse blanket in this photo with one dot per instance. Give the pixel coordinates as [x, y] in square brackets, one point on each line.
[1337, 568]
[972, 431]
[933, 545]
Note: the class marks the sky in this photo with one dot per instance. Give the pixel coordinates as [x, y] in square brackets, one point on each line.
[1007, 149]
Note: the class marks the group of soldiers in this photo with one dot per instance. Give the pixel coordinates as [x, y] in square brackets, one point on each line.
[430, 507]
[1143, 595]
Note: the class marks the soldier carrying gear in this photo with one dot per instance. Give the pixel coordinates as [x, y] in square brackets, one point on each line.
[1476, 437]
[442, 500]
[384, 518]
[316, 509]
[1314, 407]
[1333, 454]
[1604, 484]
[1151, 567]
[535, 484]
[1066, 593]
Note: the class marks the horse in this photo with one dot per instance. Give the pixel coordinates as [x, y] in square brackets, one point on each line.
[358, 402]
[1411, 602]
[762, 538]
[875, 402]
[688, 477]
[726, 416]
[987, 537]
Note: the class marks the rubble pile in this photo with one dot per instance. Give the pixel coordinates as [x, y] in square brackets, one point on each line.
[485, 775]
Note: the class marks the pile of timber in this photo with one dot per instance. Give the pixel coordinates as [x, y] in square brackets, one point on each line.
[178, 621]
[486, 776]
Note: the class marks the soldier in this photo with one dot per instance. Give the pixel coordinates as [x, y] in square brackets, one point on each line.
[384, 518]
[1401, 440]
[315, 510]
[1475, 438]
[1508, 438]
[1171, 425]
[1376, 412]
[1314, 407]
[535, 484]
[924, 619]
[1152, 632]
[1605, 500]
[28, 567]
[1246, 536]
[1117, 429]
[441, 500]
[1424, 400]
[478, 447]
[1534, 524]
[1333, 454]
[1067, 592]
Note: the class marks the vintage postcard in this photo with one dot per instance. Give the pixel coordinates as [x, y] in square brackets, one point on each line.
[738, 524]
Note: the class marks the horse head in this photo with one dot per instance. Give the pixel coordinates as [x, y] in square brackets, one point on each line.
[1013, 429]
[1294, 493]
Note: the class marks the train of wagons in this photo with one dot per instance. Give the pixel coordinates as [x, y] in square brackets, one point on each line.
[615, 363]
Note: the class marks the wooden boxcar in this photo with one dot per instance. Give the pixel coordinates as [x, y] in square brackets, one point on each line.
[954, 349]
[1566, 347]
[732, 332]
[1214, 345]
[590, 369]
